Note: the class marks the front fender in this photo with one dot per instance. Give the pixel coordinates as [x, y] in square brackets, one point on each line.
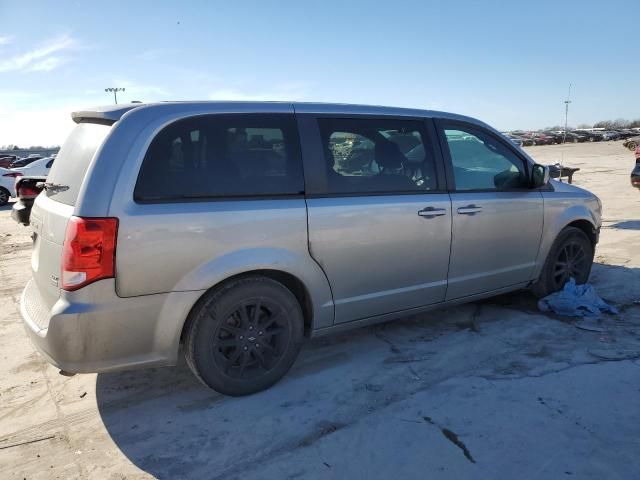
[247, 260]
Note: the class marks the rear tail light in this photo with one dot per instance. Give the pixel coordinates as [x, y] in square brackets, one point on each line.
[13, 174]
[27, 191]
[89, 251]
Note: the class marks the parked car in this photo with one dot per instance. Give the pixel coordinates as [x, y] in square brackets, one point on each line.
[611, 135]
[38, 167]
[517, 141]
[523, 137]
[27, 189]
[635, 175]
[7, 185]
[554, 136]
[6, 160]
[632, 143]
[161, 224]
[592, 136]
[627, 133]
[542, 139]
[23, 162]
[574, 138]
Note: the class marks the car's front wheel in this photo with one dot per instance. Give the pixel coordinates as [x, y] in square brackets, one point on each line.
[244, 336]
[571, 256]
[632, 145]
[4, 196]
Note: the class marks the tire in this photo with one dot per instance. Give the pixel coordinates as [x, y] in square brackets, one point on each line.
[591, 139]
[4, 196]
[570, 239]
[632, 145]
[236, 352]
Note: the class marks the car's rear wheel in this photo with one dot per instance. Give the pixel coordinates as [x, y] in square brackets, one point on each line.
[244, 336]
[4, 196]
[571, 256]
[632, 145]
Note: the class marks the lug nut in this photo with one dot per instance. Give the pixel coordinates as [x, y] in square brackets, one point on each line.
[245, 348]
[257, 345]
[259, 333]
[241, 337]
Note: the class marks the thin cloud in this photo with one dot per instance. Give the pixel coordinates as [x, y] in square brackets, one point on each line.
[46, 65]
[5, 40]
[43, 58]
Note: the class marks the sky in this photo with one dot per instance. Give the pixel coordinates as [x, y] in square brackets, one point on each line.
[507, 63]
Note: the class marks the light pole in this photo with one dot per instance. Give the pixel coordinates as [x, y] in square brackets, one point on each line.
[566, 115]
[115, 91]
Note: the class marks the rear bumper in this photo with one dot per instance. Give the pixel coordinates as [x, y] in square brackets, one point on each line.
[81, 335]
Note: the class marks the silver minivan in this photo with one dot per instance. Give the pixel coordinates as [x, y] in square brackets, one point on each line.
[236, 229]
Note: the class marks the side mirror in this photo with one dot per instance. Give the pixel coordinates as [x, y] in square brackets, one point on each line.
[539, 175]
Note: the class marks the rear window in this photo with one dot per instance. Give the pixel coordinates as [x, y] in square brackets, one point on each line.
[73, 160]
[222, 156]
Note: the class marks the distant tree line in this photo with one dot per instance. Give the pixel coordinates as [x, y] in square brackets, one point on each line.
[607, 124]
[619, 123]
[32, 147]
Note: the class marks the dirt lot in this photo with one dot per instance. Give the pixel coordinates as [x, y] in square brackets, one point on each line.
[488, 390]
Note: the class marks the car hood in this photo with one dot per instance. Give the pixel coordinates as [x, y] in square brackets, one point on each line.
[567, 187]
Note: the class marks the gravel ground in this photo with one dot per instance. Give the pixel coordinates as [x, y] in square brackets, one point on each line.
[493, 389]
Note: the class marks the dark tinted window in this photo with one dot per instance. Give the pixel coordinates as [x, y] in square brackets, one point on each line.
[370, 156]
[481, 162]
[222, 155]
[49, 163]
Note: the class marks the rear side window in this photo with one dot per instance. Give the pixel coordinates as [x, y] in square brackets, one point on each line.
[377, 156]
[72, 162]
[222, 156]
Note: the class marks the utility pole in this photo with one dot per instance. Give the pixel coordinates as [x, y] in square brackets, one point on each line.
[566, 115]
[115, 91]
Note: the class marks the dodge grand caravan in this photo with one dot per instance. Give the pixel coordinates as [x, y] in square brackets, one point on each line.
[237, 229]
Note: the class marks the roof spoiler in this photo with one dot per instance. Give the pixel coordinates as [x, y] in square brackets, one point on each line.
[106, 115]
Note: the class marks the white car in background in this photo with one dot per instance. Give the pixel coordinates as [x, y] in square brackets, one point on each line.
[7, 185]
[39, 168]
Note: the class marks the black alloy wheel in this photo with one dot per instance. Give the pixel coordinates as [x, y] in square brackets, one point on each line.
[4, 196]
[571, 262]
[252, 339]
[244, 335]
[570, 256]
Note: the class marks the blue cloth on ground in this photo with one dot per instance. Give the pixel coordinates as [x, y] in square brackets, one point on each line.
[575, 301]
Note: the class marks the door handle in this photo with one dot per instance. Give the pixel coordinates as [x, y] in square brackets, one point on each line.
[431, 212]
[469, 210]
